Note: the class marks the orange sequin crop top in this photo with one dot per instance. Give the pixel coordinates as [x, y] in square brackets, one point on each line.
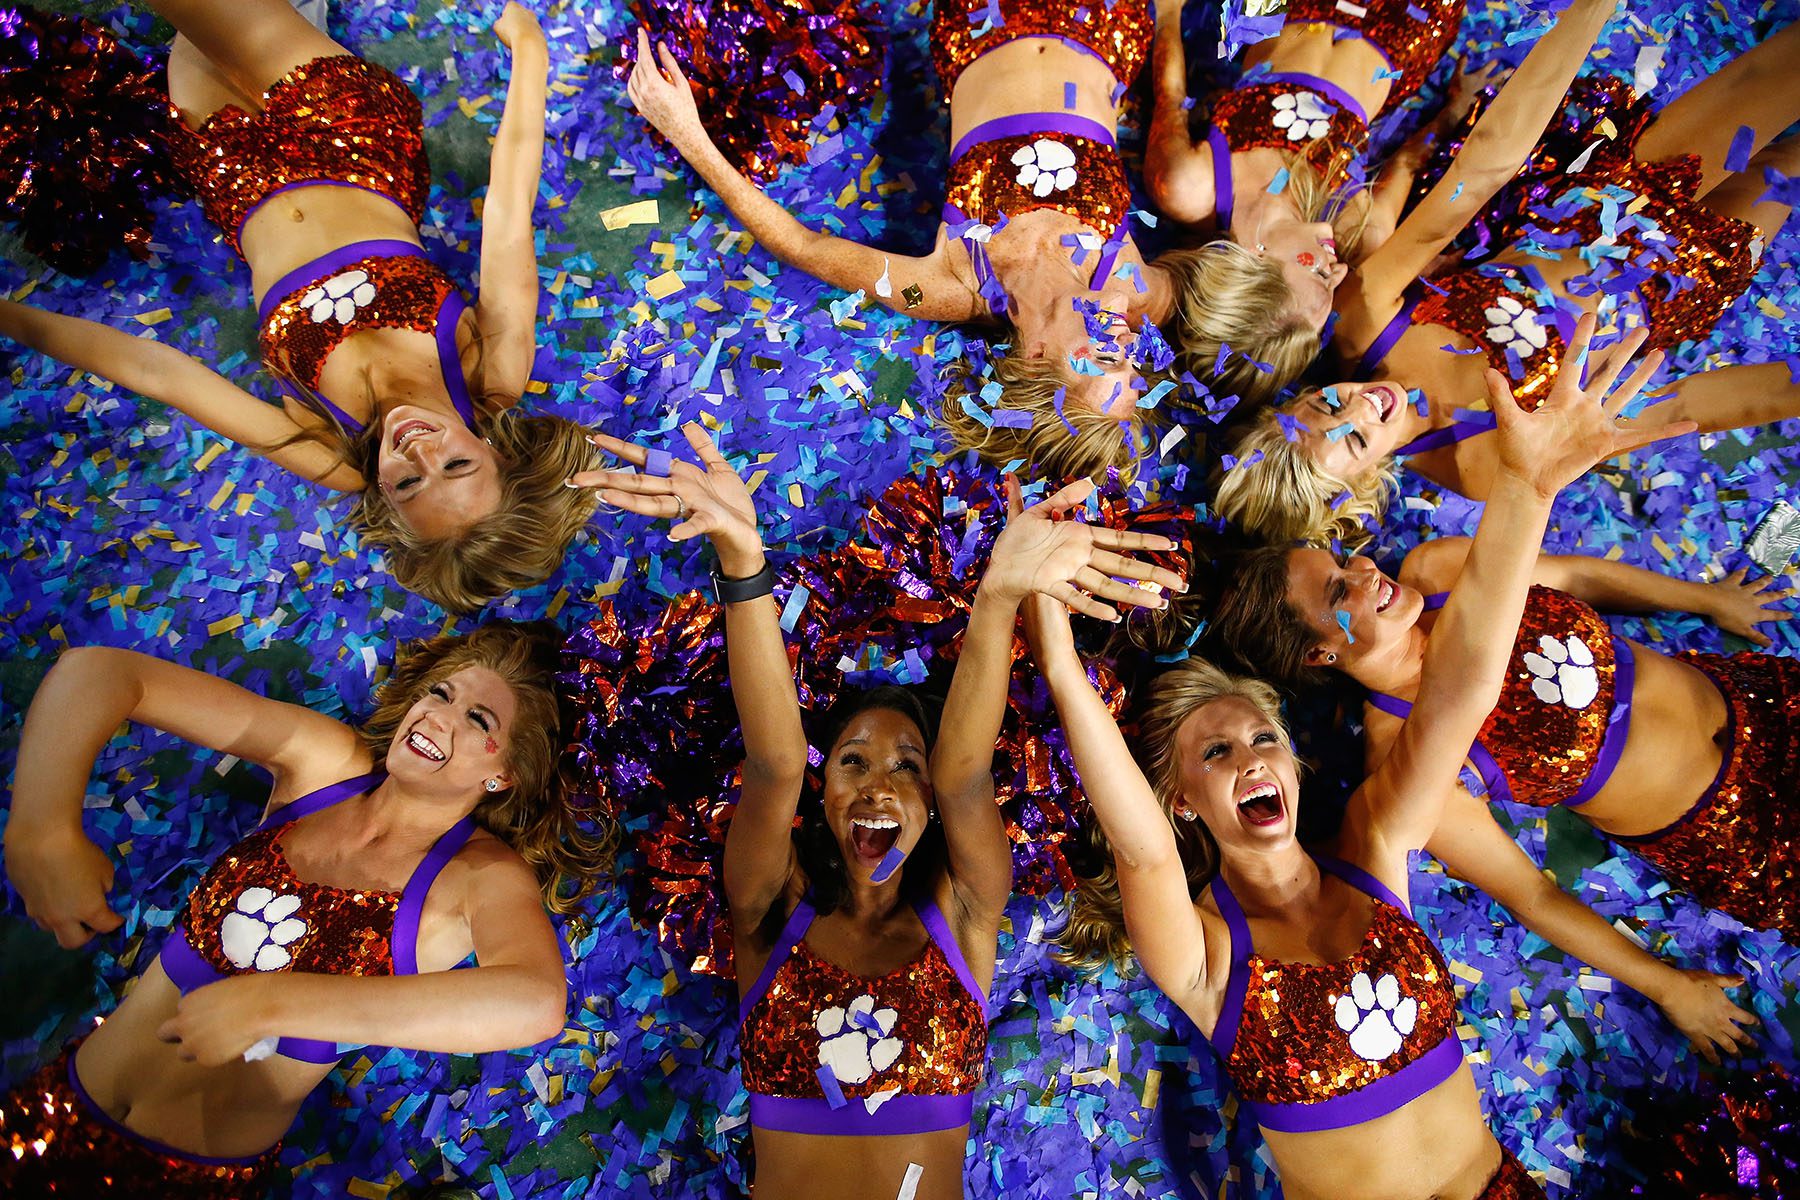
[1413, 36]
[1117, 33]
[381, 284]
[830, 1053]
[1316, 1046]
[1565, 708]
[250, 912]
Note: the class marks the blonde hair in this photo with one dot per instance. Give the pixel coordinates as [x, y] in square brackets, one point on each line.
[1095, 935]
[520, 543]
[1099, 442]
[1228, 295]
[1284, 496]
[533, 815]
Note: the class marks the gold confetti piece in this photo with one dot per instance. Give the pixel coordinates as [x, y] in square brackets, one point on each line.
[1464, 971]
[367, 1190]
[225, 625]
[755, 481]
[244, 503]
[1152, 1087]
[638, 212]
[208, 455]
[708, 304]
[561, 598]
[470, 109]
[155, 316]
[537, 387]
[1771, 308]
[795, 496]
[219, 496]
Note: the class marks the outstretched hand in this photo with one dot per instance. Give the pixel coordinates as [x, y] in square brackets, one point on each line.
[664, 96]
[706, 501]
[1577, 426]
[1698, 1006]
[1080, 565]
[1739, 604]
[517, 26]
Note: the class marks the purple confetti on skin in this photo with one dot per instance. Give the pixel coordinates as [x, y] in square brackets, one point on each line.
[890, 862]
[1742, 142]
[1068, 95]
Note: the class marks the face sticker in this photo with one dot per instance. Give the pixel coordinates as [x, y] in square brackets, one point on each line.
[491, 746]
[1305, 259]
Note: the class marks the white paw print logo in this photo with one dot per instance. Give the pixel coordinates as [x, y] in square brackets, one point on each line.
[258, 934]
[1303, 115]
[1562, 671]
[1045, 166]
[1376, 1016]
[339, 297]
[1513, 325]
[854, 1041]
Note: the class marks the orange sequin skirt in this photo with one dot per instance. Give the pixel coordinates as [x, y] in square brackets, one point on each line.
[1116, 33]
[1511, 1182]
[1735, 850]
[335, 120]
[55, 1141]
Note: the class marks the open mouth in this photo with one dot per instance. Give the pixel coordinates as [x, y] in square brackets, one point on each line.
[409, 429]
[1384, 595]
[424, 747]
[873, 837]
[1385, 399]
[1261, 805]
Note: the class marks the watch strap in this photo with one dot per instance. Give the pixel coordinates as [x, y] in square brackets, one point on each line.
[753, 587]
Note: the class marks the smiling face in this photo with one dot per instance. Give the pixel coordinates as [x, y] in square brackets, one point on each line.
[1350, 429]
[1062, 336]
[1238, 776]
[455, 737]
[1379, 614]
[437, 474]
[877, 788]
[1306, 251]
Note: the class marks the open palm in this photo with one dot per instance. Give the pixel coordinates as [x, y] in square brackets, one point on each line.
[1080, 565]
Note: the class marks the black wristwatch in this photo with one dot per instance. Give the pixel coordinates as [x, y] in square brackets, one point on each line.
[753, 587]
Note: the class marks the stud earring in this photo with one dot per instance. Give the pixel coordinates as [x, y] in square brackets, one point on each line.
[1331, 658]
[1188, 814]
[492, 785]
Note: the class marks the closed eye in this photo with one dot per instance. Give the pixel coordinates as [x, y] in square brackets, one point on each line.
[481, 722]
[1337, 591]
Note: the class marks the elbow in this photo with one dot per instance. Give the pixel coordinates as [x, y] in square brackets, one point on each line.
[777, 771]
[544, 1011]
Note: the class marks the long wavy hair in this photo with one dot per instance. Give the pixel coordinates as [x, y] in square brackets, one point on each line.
[816, 847]
[532, 816]
[1277, 493]
[1075, 442]
[1095, 935]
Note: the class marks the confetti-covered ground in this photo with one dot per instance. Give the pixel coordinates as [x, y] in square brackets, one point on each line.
[126, 525]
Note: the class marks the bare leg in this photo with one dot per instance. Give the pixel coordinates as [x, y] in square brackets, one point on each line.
[250, 43]
[198, 89]
[1732, 398]
[1759, 88]
[1740, 194]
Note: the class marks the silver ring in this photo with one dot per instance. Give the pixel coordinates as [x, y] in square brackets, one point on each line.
[680, 508]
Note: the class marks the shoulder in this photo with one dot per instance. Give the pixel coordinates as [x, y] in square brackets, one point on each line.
[1435, 565]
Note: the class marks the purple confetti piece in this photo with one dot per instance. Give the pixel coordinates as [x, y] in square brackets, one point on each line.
[828, 1082]
[890, 862]
[1738, 157]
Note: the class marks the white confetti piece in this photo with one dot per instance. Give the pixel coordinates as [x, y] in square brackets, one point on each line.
[884, 287]
[909, 1186]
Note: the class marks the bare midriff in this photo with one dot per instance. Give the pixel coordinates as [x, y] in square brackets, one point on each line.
[1028, 75]
[800, 1166]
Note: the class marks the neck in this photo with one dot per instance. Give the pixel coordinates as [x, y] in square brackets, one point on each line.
[398, 382]
[1252, 171]
[1396, 674]
[1266, 883]
[1158, 298]
[395, 813]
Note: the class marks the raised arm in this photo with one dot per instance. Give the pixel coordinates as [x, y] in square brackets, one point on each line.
[712, 501]
[1166, 933]
[1473, 847]
[507, 308]
[1178, 171]
[666, 100]
[61, 875]
[165, 374]
[1038, 551]
[1495, 150]
[515, 996]
[1398, 807]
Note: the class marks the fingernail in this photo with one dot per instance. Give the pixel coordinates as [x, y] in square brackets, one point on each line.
[570, 483]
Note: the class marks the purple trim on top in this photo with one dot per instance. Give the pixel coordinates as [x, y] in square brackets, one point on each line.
[1223, 200]
[1390, 333]
[1393, 706]
[304, 183]
[1436, 600]
[1330, 90]
[1492, 777]
[183, 964]
[1031, 124]
[897, 1115]
[1712, 790]
[449, 314]
[797, 924]
[323, 798]
[1361, 880]
[100, 1114]
[326, 265]
[1350, 32]
[405, 940]
[1618, 724]
[1377, 1099]
[1231, 1012]
[1449, 435]
[938, 930]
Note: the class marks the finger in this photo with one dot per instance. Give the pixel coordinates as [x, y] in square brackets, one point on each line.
[1756, 639]
[703, 444]
[631, 452]
[1500, 397]
[1070, 496]
[670, 67]
[102, 919]
[1123, 539]
[1117, 591]
[1629, 435]
[696, 525]
[1575, 353]
[1602, 374]
[70, 934]
[1704, 1046]
[667, 505]
[1015, 496]
[1083, 603]
[1117, 565]
[637, 485]
[1626, 392]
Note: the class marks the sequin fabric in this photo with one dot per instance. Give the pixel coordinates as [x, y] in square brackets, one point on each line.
[53, 1143]
[1654, 254]
[1252, 117]
[984, 183]
[344, 932]
[942, 1029]
[332, 120]
[1412, 45]
[1546, 732]
[1511, 1182]
[1119, 34]
[1290, 1047]
[656, 743]
[379, 292]
[1738, 848]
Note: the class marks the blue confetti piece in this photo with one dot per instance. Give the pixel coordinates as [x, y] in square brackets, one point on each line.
[1069, 96]
[828, 1081]
[1738, 157]
[1343, 620]
[796, 604]
[1279, 184]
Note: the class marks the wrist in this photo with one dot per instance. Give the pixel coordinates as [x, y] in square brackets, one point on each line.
[996, 593]
[741, 561]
